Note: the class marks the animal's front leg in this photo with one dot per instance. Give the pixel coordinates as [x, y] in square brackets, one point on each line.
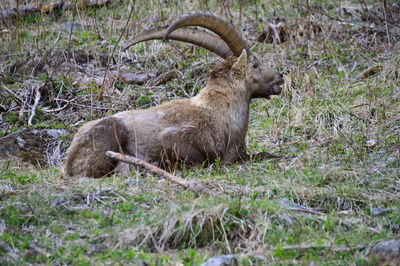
[185, 152]
[181, 145]
[244, 156]
[236, 154]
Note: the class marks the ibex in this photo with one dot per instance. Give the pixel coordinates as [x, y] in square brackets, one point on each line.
[200, 129]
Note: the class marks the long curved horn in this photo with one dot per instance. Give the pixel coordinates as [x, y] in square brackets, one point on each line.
[194, 36]
[222, 28]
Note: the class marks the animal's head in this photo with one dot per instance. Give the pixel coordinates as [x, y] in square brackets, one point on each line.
[259, 79]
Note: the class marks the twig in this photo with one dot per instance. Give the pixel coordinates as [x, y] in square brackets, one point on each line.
[25, 11]
[304, 209]
[98, 107]
[37, 99]
[18, 100]
[170, 177]
[165, 77]
[72, 26]
[18, 16]
[102, 89]
[60, 108]
[334, 248]
[291, 206]
[385, 5]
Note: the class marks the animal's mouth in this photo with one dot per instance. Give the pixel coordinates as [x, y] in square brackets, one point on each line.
[276, 88]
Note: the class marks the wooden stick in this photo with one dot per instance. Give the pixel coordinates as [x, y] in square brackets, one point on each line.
[35, 104]
[25, 11]
[60, 108]
[334, 248]
[18, 100]
[170, 177]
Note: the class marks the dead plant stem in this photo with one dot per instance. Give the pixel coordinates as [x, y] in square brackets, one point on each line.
[385, 4]
[35, 104]
[102, 88]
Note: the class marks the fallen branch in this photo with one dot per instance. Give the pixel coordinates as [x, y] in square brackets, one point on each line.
[25, 11]
[18, 100]
[35, 104]
[292, 206]
[170, 177]
[334, 248]
[165, 77]
[304, 209]
[60, 108]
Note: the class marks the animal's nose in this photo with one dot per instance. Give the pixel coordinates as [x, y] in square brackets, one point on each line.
[279, 76]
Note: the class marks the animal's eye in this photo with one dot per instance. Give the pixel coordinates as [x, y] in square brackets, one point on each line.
[255, 65]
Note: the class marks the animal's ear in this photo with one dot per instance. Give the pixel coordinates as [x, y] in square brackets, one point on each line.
[239, 67]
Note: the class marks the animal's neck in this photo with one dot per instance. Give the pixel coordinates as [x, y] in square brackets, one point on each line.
[230, 103]
[223, 97]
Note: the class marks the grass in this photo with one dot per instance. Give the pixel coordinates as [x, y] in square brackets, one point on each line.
[337, 121]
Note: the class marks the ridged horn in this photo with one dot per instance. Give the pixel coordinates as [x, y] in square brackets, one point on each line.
[197, 37]
[219, 26]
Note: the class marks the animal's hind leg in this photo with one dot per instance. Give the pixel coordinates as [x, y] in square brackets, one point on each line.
[87, 153]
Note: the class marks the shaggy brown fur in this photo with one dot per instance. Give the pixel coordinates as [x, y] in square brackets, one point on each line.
[89, 146]
[211, 125]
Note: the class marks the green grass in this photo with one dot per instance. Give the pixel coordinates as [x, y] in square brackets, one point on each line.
[338, 126]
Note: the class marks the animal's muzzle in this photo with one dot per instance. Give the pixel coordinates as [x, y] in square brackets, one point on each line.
[277, 89]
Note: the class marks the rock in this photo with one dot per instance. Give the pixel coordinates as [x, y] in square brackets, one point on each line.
[386, 252]
[225, 260]
[371, 143]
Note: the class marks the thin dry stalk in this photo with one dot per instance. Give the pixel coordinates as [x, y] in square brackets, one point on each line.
[15, 97]
[385, 5]
[35, 104]
[334, 248]
[102, 89]
[72, 26]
